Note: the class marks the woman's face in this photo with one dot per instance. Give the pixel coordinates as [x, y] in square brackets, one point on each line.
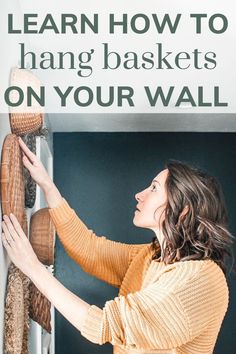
[151, 203]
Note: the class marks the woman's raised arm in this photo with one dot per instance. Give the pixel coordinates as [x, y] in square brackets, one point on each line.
[103, 258]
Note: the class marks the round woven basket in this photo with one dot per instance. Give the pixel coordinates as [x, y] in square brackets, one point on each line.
[12, 179]
[24, 123]
[42, 236]
[42, 239]
[25, 119]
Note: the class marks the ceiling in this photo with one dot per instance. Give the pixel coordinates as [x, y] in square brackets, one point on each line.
[142, 122]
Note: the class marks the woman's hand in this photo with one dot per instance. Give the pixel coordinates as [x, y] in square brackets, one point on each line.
[35, 167]
[22, 255]
[18, 246]
[40, 176]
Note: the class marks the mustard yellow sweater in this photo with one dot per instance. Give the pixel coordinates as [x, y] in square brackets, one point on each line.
[176, 308]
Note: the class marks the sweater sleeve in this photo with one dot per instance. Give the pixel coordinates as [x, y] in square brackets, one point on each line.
[103, 258]
[158, 317]
[148, 319]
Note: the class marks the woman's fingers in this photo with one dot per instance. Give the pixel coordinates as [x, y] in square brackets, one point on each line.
[17, 226]
[35, 166]
[6, 244]
[27, 163]
[7, 234]
[27, 151]
[18, 248]
[9, 228]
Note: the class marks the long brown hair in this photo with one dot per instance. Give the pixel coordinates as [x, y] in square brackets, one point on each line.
[202, 232]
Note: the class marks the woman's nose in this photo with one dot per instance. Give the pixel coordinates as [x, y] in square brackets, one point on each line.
[138, 196]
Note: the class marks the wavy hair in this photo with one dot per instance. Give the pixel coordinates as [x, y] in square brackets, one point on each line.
[195, 225]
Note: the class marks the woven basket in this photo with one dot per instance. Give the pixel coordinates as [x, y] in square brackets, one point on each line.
[16, 316]
[30, 185]
[12, 179]
[24, 123]
[25, 119]
[39, 309]
[42, 239]
[26, 283]
[42, 236]
[17, 323]
[14, 312]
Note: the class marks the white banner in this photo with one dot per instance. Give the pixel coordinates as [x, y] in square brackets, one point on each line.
[118, 57]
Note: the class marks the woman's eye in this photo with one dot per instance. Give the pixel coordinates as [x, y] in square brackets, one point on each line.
[153, 187]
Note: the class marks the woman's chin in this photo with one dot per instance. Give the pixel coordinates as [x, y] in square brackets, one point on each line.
[137, 222]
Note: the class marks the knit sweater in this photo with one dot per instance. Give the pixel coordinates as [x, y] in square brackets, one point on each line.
[175, 308]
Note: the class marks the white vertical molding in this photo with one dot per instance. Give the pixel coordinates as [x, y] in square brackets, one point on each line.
[41, 342]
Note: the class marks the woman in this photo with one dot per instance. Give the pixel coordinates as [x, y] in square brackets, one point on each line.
[173, 293]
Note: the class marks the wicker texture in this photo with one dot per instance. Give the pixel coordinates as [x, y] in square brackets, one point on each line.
[42, 239]
[24, 123]
[14, 312]
[39, 309]
[42, 236]
[16, 321]
[26, 283]
[12, 179]
[16, 315]
[25, 119]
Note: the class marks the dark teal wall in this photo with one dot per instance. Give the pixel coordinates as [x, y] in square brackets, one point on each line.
[99, 174]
